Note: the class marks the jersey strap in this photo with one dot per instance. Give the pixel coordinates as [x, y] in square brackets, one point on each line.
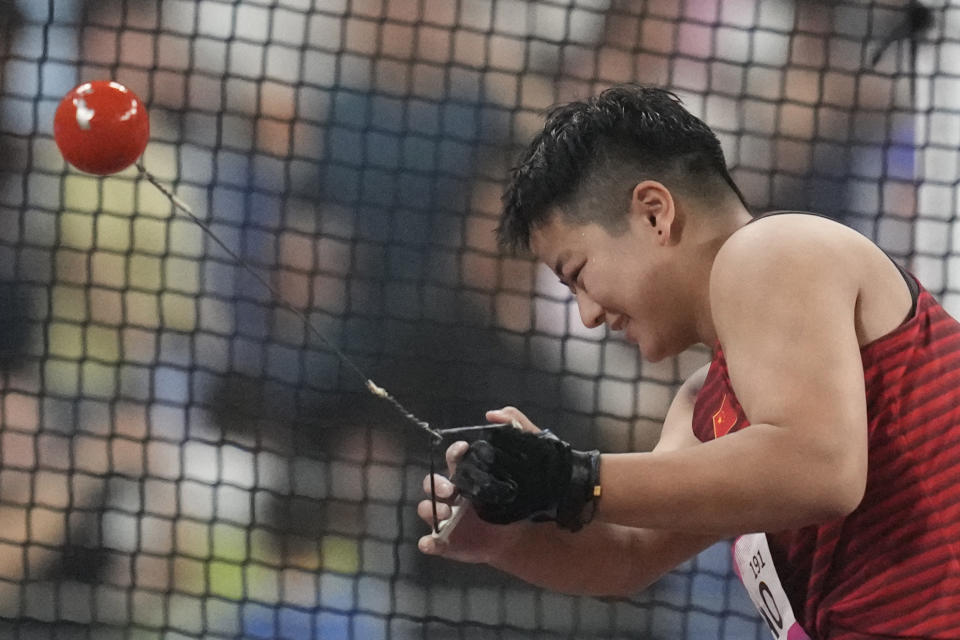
[754, 566]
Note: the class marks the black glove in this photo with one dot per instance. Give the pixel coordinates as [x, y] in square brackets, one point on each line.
[514, 475]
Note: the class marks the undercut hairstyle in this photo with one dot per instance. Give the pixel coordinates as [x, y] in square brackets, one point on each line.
[591, 154]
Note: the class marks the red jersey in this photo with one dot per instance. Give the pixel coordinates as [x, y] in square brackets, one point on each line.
[890, 569]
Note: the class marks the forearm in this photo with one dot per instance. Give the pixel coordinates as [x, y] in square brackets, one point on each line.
[600, 560]
[760, 479]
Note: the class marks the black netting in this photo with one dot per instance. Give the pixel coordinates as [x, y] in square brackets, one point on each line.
[179, 458]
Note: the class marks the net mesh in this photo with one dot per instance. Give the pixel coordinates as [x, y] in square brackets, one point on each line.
[179, 458]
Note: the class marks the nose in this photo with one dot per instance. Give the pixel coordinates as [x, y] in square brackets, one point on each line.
[591, 313]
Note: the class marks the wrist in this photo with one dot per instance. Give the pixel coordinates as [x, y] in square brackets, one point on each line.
[577, 507]
[511, 546]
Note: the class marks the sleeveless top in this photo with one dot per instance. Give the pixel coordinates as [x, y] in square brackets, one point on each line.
[890, 569]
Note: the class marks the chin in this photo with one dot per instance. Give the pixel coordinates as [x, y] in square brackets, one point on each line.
[655, 356]
[650, 353]
[657, 352]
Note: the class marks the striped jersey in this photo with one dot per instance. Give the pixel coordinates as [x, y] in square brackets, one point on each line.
[890, 569]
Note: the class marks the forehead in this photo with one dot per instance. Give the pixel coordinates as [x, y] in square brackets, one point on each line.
[549, 237]
[558, 235]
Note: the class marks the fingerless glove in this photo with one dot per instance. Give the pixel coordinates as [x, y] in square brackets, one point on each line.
[517, 475]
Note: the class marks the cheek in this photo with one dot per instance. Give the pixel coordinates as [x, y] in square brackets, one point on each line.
[642, 302]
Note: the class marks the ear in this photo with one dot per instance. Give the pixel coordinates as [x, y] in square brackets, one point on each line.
[654, 211]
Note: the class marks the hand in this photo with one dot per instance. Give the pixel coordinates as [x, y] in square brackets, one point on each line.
[473, 540]
[515, 475]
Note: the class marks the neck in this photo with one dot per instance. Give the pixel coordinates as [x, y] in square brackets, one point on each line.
[706, 242]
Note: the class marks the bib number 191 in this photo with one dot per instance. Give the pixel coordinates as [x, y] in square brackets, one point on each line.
[754, 565]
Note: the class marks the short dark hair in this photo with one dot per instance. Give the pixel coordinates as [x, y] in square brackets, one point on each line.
[590, 151]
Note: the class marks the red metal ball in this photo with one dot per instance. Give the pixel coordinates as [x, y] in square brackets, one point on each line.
[101, 127]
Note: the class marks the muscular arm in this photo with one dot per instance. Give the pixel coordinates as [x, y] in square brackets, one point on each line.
[606, 559]
[601, 560]
[784, 310]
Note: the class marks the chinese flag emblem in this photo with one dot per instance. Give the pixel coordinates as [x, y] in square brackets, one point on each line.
[725, 418]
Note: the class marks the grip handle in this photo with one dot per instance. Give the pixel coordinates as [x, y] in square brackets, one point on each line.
[446, 527]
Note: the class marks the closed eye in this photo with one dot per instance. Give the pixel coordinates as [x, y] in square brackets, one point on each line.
[570, 280]
[574, 281]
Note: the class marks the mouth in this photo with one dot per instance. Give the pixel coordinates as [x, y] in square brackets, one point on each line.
[624, 324]
[619, 324]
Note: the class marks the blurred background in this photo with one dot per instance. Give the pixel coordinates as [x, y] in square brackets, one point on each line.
[179, 458]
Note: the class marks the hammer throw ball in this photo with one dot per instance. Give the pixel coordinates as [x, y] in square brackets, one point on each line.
[101, 127]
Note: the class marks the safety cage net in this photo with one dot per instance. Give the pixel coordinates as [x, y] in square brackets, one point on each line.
[181, 458]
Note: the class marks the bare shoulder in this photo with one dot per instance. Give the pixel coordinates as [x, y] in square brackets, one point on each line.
[768, 258]
[791, 240]
[817, 256]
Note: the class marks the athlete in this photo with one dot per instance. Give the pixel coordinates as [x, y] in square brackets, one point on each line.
[824, 436]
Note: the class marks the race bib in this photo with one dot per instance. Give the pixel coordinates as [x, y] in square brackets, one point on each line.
[754, 565]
